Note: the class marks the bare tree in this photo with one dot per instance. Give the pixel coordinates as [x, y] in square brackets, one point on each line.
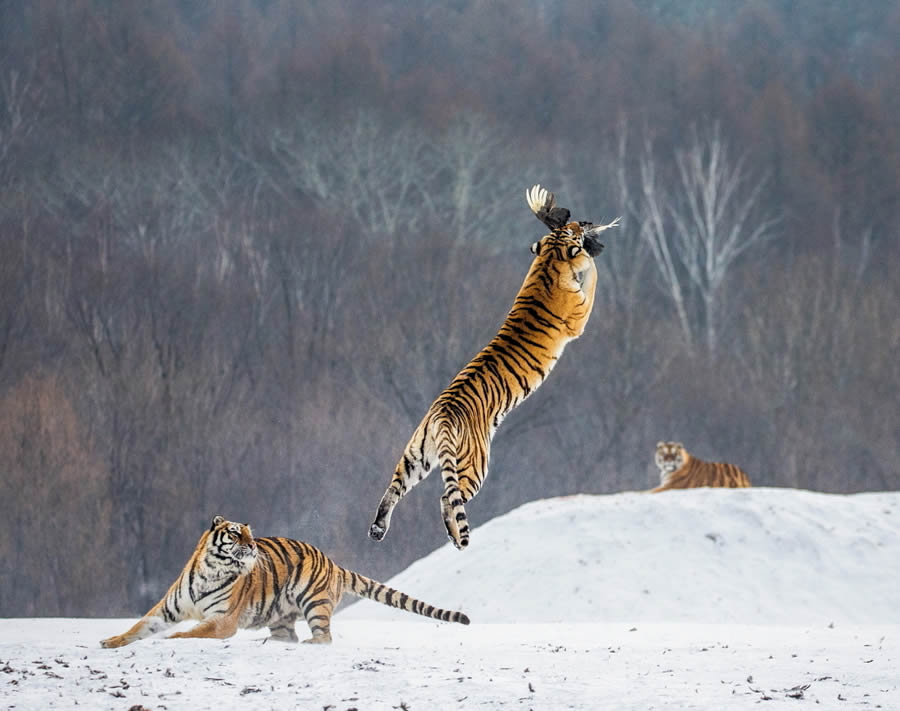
[17, 95]
[377, 174]
[651, 211]
[713, 219]
[699, 229]
[18, 99]
[480, 181]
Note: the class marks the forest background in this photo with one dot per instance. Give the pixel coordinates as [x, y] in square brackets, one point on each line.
[244, 244]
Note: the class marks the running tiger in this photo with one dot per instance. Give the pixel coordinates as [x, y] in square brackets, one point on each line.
[234, 580]
[551, 309]
[679, 470]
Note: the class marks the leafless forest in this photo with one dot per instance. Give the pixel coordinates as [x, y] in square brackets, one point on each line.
[243, 245]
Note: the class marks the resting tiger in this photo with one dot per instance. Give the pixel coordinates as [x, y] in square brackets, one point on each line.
[234, 580]
[679, 470]
[551, 309]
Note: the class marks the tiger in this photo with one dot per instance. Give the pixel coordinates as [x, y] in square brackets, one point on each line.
[233, 580]
[551, 309]
[680, 470]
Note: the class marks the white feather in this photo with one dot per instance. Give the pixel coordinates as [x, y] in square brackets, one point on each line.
[597, 229]
[539, 198]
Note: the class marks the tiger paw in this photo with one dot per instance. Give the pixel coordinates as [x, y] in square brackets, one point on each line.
[376, 532]
[322, 639]
[113, 642]
[460, 544]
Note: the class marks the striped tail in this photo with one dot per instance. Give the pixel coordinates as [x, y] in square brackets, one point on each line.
[379, 592]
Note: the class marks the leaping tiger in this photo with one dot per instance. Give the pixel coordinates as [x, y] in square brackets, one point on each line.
[678, 469]
[551, 309]
[233, 580]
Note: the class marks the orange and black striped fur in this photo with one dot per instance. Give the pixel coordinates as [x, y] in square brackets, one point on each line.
[679, 470]
[551, 309]
[235, 581]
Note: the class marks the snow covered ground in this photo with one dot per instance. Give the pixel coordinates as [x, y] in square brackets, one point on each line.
[687, 600]
[752, 556]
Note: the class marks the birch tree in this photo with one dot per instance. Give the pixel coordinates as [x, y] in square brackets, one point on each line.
[484, 183]
[699, 227]
[376, 174]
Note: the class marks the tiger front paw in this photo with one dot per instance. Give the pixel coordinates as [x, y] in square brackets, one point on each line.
[113, 642]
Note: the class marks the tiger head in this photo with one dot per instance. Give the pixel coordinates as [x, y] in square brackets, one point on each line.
[570, 240]
[572, 243]
[230, 546]
[670, 457]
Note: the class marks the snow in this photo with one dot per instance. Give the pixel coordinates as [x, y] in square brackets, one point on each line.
[703, 599]
[770, 556]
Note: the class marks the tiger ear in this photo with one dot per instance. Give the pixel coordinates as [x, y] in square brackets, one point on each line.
[217, 521]
[573, 251]
[660, 445]
[536, 248]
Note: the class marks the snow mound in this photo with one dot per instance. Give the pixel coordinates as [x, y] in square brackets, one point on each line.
[752, 556]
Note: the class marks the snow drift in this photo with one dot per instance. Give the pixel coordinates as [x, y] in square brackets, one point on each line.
[607, 566]
[750, 556]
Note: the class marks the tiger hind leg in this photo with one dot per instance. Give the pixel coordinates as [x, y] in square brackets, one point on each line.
[318, 617]
[452, 509]
[455, 520]
[413, 467]
[215, 628]
[457, 492]
[283, 630]
[468, 485]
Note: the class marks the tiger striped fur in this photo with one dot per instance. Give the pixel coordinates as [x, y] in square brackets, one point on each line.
[235, 581]
[551, 309]
[679, 470]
